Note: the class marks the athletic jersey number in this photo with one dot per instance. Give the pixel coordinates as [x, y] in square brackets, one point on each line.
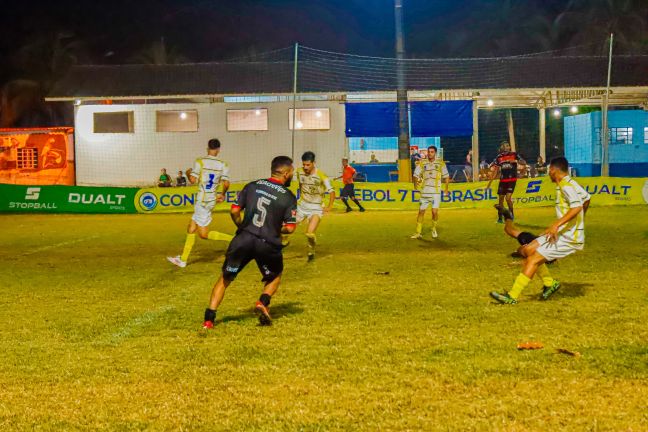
[259, 218]
[210, 183]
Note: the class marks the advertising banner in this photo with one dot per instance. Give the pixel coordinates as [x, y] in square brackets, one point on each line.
[66, 199]
[531, 192]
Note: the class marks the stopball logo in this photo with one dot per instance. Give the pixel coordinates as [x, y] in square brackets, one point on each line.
[533, 186]
[32, 193]
[148, 201]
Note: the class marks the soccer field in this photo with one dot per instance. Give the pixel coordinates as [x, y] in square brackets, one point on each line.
[380, 332]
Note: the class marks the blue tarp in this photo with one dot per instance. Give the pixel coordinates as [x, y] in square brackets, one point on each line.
[428, 119]
[375, 119]
[442, 119]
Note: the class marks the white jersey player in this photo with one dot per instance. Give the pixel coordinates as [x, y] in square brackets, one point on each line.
[427, 176]
[209, 172]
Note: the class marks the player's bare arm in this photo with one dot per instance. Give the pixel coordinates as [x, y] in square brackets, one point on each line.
[331, 201]
[552, 231]
[220, 196]
[236, 215]
[586, 206]
[494, 172]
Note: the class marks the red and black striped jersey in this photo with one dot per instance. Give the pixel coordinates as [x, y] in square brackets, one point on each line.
[508, 165]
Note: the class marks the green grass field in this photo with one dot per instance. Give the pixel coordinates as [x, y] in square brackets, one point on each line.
[99, 331]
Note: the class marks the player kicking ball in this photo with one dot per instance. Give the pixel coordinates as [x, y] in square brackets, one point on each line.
[209, 172]
[564, 237]
[264, 210]
[313, 185]
[429, 174]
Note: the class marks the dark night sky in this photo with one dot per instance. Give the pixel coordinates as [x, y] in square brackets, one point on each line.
[214, 29]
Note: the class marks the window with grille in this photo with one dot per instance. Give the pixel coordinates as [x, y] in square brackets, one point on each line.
[114, 122]
[247, 120]
[27, 158]
[310, 119]
[616, 136]
[646, 135]
[176, 121]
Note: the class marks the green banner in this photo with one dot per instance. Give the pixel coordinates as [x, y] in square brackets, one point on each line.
[66, 199]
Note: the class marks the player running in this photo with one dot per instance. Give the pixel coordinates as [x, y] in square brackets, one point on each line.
[564, 237]
[429, 174]
[269, 209]
[348, 191]
[313, 185]
[506, 163]
[209, 172]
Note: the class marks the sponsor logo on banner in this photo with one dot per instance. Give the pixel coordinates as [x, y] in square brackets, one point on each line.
[534, 186]
[32, 193]
[148, 201]
[115, 201]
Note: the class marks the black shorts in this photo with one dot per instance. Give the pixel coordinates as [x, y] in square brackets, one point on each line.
[246, 247]
[524, 238]
[506, 187]
[348, 191]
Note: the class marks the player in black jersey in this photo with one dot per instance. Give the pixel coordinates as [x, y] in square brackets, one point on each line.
[506, 163]
[269, 209]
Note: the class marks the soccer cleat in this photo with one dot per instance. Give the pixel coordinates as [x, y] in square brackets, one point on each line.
[548, 291]
[416, 236]
[348, 209]
[177, 261]
[516, 254]
[264, 314]
[208, 325]
[503, 298]
[500, 221]
[311, 256]
[434, 233]
[507, 214]
[362, 209]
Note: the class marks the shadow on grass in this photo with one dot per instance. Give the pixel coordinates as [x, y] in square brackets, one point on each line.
[277, 312]
[573, 289]
[214, 256]
[538, 227]
[425, 243]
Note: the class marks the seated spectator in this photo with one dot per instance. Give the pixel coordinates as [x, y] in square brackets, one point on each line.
[165, 179]
[373, 158]
[181, 180]
[540, 166]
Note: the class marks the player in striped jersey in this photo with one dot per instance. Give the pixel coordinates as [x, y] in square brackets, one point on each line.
[506, 163]
[313, 185]
[429, 174]
[564, 237]
[209, 172]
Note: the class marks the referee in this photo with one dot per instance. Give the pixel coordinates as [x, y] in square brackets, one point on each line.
[269, 210]
[348, 191]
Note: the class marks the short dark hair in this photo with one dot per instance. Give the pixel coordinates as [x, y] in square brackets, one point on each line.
[280, 162]
[308, 156]
[436, 150]
[213, 144]
[560, 163]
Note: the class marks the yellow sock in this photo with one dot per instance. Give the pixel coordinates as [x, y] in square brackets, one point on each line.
[521, 282]
[544, 274]
[434, 224]
[191, 239]
[215, 235]
[419, 227]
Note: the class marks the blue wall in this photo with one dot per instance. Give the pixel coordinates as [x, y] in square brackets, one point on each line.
[583, 148]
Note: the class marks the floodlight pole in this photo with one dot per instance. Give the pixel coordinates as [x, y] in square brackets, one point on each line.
[605, 137]
[404, 165]
[294, 105]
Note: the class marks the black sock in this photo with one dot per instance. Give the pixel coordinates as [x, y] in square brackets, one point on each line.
[499, 213]
[265, 299]
[355, 200]
[210, 315]
[346, 202]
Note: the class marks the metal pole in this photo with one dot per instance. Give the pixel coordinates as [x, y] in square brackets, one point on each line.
[475, 142]
[605, 137]
[294, 109]
[543, 134]
[404, 166]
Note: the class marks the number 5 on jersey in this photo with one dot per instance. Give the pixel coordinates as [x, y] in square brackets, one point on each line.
[261, 213]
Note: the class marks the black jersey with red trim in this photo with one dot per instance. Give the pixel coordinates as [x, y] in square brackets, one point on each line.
[268, 206]
[508, 165]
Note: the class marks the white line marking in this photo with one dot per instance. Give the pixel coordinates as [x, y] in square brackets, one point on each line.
[61, 244]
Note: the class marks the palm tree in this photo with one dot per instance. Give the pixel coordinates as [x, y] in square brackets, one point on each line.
[159, 54]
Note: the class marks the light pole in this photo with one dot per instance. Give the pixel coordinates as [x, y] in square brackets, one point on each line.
[404, 166]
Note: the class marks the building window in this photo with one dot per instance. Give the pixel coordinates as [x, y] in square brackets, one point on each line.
[646, 135]
[27, 158]
[114, 122]
[176, 121]
[620, 135]
[247, 120]
[616, 136]
[310, 119]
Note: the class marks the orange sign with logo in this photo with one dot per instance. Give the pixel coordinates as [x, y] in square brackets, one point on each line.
[43, 156]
